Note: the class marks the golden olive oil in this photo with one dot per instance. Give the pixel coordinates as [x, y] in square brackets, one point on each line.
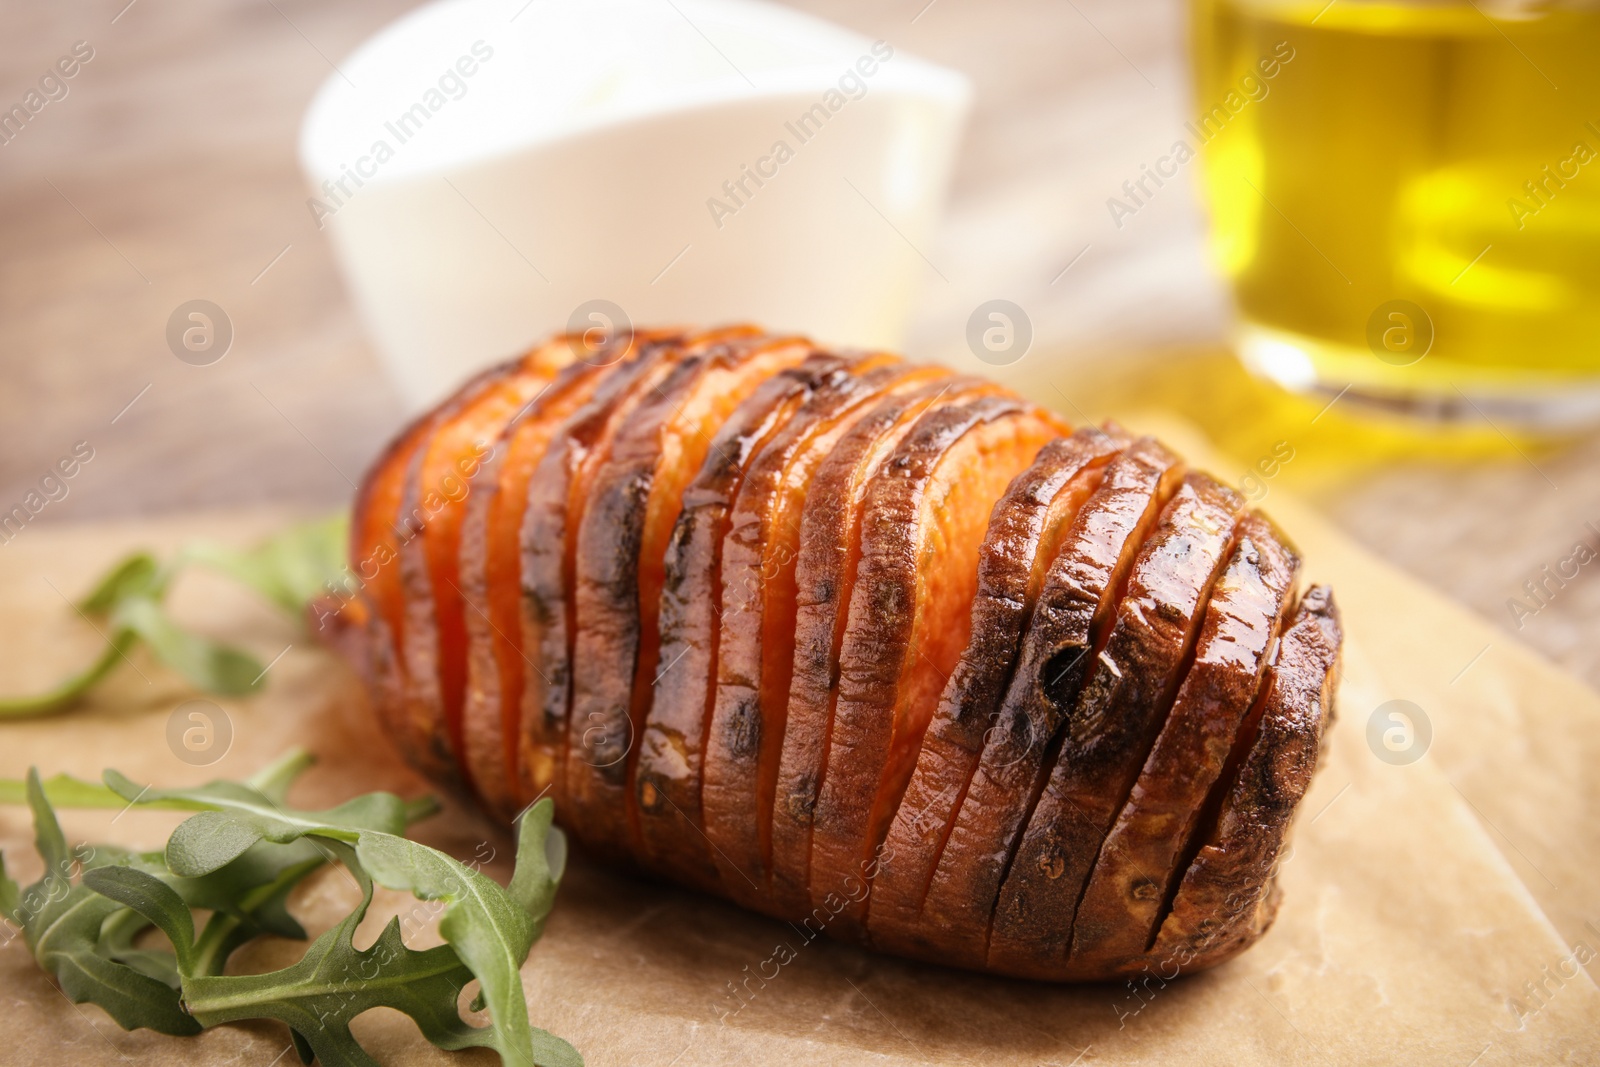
[1409, 203]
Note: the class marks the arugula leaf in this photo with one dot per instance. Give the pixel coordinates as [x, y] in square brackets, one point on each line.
[237, 858]
[318, 996]
[210, 666]
[234, 816]
[490, 928]
[289, 570]
[152, 898]
[249, 897]
[61, 925]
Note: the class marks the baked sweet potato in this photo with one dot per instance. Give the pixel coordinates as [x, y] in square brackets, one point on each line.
[370, 627]
[865, 646]
[1139, 858]
[825, 571]
[923, 520]
[666, 778]
[491, 586]
[557, 495]
[437, 488]
[1024, 537]
[1071, 619]
[634, 503]
[1227, 896]
[744, 738]
[1105, 738]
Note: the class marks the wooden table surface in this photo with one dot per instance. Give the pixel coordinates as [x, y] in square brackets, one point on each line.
[168, 173]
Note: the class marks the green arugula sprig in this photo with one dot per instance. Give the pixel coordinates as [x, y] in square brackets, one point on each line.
[287, 570]
[237, 859]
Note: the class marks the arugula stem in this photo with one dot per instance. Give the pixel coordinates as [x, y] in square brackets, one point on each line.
[282, 771]
[211, 947]
[242, 993]
[424, 807]
[65, 791]
[69, 691]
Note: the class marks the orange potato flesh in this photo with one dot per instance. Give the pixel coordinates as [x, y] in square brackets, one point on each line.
[825, 568]
[1026, 530]
[435, 635]
[491, 585]
[666, 774]
[558, 496]
[376, 533]
[1124, 702]
[908, 622]
[743, 739]
[619, 571]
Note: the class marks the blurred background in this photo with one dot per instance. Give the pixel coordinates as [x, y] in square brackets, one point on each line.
[165, 170]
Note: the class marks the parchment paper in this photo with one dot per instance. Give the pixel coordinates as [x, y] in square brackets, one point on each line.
[1422, 902]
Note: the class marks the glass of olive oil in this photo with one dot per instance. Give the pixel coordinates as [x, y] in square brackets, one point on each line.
[1406, 198]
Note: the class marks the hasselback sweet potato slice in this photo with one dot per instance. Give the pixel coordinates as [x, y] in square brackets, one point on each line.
[1025, 534]
[378, 527]
[923, 519]
[558, 492]
[667, 798]
[1073, 614]
[1138, 861]
[437, 486]
[825, 569]
[1104, 741]
[491, 586]
[618, 569]
[1227, 896]
[744, 739]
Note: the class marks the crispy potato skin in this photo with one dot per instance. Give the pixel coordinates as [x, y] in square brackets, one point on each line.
[1072, 615]
[1025, 534]
[437, 489]
[907, 621]
[634, 504]
[491, 587]
[557, 496]
[881, 651]
[1104, 740]
[666, 789]
[368, 628]
[743, 740]
[1228, 895]
[1137, 860]
[825, 570]
[424, 482]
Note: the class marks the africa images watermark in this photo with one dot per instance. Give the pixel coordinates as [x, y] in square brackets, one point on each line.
[52, 488]
[1543, 188]
[1541, 991]
[52, 87]
[450, 85]
[1543, 588]
[852, 85]
[1251, 89]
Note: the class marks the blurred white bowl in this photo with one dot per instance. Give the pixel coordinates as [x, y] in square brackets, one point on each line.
[494, 170]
